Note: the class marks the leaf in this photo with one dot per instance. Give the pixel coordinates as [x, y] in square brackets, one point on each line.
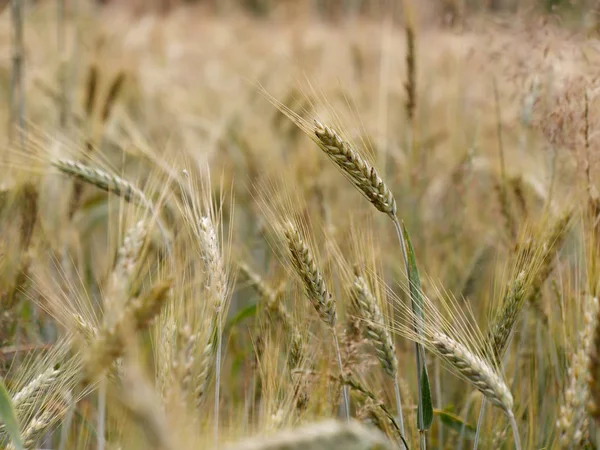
[244, 313]
[414, 280]
[425, 412]
[426, 396]
[455, 423]
[7, 415]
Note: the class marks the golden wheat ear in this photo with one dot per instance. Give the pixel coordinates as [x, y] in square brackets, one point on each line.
[573, 421]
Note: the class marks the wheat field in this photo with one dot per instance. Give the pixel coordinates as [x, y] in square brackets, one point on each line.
[298, 225]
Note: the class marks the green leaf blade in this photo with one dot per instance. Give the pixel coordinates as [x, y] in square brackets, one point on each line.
[8, 417]
[425, 413]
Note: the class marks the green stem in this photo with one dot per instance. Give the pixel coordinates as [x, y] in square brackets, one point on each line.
[399, 406]
[344, 387]
[479, 423]
[515, 430]
[218, 379]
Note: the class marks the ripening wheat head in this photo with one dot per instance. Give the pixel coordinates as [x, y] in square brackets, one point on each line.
[45, 386]
[535, 252]
[352, 160]
[450, 332]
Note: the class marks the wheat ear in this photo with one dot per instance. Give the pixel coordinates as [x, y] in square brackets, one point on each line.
[111, 183]
[377, 333]
[355, 384]
[272, 299]
[474, 369]
[594, 371]
[362, 175]
[573, 421]
[217, 286]
[108, 344]
[330, 435]
[27, 395]
[314, 286]
[477, 371]
[123, 274]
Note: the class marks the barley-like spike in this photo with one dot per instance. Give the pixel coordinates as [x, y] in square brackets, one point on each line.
[355, 384]
[26, 396]
[502, 326]
[108, 345]
[573, 420]
[102, 180]
[207, 363]
[213, 261]
[374, 326]
[364, 176]
[312, 279]
[474, 369]
[272, 299]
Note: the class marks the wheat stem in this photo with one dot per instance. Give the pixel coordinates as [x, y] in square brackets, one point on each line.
[399, 405]
[515, 430]
[341, 367]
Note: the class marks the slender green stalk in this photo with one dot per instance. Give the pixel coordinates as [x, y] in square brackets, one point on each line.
[101, 440]
[399, 404]
[438, 395]
[479, 422]
[218, 379]
[515, 430]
